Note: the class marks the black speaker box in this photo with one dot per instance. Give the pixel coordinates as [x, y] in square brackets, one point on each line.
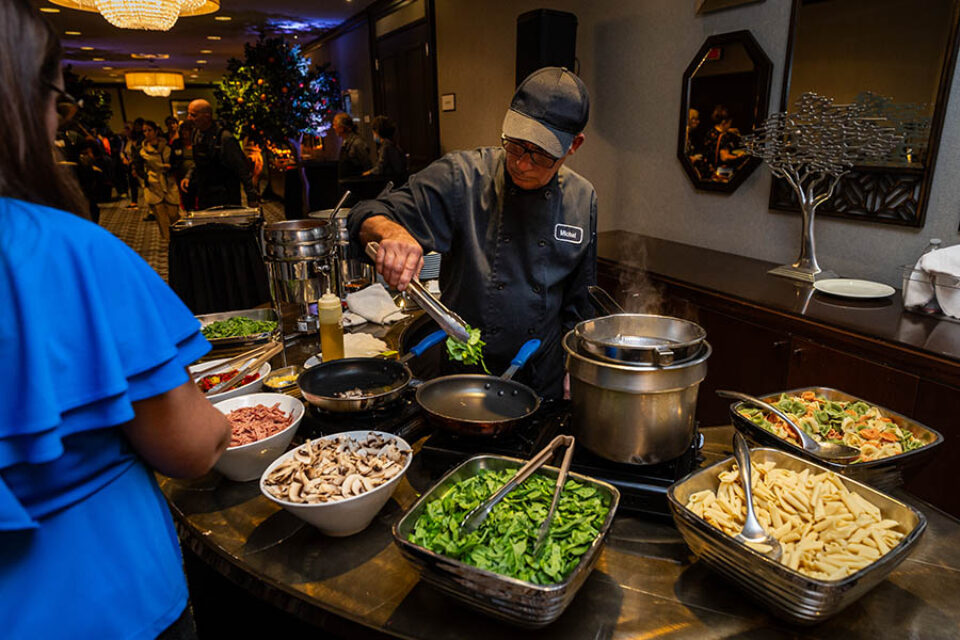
[545, 38]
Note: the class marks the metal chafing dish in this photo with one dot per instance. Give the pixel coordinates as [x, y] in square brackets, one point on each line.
[885, 473]
[253, 314]
[219, 215]
[787, 593]
[521, 603]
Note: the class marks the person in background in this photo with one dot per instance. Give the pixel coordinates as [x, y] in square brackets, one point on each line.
[721, 145]
[182, 162]
[517, 229]
[161, 194]
[354, 153]
[91, 176]
[128, 156]
[87, 545]
[391, 160]
[173, 128]
[219, 167]
[118, 171]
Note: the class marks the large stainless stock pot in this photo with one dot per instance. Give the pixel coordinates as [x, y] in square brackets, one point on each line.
[639, 414]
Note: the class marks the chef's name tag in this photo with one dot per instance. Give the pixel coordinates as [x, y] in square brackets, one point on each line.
[567, 233]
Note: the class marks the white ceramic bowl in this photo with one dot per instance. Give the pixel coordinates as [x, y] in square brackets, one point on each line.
[350, 515]
[250, 387]
[247, 461]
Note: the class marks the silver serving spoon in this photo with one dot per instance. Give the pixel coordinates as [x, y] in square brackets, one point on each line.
[825, 450]
[753, 533]
[337, 208]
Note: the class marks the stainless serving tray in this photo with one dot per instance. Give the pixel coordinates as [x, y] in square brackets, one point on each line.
[253, 314]
[886, 473]
[235, 215]
[515, 601]
[787, 593]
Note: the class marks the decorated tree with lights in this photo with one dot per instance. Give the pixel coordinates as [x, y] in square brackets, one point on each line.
[274, 95]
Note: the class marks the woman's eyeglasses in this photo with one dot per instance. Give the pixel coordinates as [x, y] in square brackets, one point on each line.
[537, 157]
[67, 105]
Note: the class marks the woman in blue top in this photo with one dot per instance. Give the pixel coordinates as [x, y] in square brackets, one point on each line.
[95, 394]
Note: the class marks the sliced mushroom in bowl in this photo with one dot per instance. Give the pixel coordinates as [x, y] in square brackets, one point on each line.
[338, 483]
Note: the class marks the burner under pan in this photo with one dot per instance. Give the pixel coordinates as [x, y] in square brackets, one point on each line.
[401, 417]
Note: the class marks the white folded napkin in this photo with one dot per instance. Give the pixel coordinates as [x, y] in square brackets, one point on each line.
[943, 267]
[917, 287]
[375, 304]
[350, 319]
[362, 345]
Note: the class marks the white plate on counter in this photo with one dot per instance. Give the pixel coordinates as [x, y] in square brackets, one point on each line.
[853, 288]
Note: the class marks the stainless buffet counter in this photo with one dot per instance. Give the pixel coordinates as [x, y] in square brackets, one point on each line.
[644, 585]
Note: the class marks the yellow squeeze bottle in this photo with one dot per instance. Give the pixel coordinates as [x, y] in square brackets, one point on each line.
[331, 327]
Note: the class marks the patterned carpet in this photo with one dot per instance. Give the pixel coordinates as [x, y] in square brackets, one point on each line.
[144, 237]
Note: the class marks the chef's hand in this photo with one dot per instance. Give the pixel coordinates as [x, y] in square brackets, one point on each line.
[399, 259]
[185, 184]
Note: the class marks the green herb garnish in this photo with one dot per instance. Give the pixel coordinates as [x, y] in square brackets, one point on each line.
[469, 352]
[238, 326]
[504, 541]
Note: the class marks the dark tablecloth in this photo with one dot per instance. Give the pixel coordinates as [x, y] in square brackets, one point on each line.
[218, 267]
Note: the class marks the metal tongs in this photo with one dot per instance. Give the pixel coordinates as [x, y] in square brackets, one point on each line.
[476, 516]
[273, 348]
[450, 322]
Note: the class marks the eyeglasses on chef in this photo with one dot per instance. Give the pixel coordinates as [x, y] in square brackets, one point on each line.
[537, 157]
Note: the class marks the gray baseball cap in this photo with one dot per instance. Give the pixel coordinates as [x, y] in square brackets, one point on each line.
[548, 109]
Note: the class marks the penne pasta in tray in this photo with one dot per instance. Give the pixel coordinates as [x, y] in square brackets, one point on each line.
[841, 537]
[827, 531]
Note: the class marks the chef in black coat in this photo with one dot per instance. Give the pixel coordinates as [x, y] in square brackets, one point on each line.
[516, 228]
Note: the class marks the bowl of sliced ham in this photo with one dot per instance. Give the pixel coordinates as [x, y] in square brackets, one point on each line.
[263, 424]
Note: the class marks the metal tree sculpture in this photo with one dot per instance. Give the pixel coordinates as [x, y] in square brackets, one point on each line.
[811, 148]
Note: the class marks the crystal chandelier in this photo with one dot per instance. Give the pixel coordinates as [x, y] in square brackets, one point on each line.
[154, 83]
[151, 15]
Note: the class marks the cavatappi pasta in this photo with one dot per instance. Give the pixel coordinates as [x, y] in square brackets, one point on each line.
[826, 531]
[856, 424]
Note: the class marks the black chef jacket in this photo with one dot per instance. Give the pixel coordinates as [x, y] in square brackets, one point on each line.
[219, 169]
[516, 263]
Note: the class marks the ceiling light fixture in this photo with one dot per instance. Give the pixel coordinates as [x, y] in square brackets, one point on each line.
[150, 56]
[99, 59]
[213, 37]
[72, 33]
[223, 18]
[206, 50]
[201, 62]
[108, 68]
[150, 15]
[154, 83]
[86, 48]
[49, 10]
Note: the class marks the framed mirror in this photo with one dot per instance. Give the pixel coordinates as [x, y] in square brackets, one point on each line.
[726, 89]
[898, 57]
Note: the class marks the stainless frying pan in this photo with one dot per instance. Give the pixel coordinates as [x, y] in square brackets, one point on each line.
[480, 405]
[381, 381]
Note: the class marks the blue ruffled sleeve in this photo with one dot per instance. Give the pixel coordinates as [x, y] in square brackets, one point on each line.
[88, 327]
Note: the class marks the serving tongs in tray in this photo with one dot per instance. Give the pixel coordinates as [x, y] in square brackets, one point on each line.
[271, 349]
[475, 517]
[449, 321]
